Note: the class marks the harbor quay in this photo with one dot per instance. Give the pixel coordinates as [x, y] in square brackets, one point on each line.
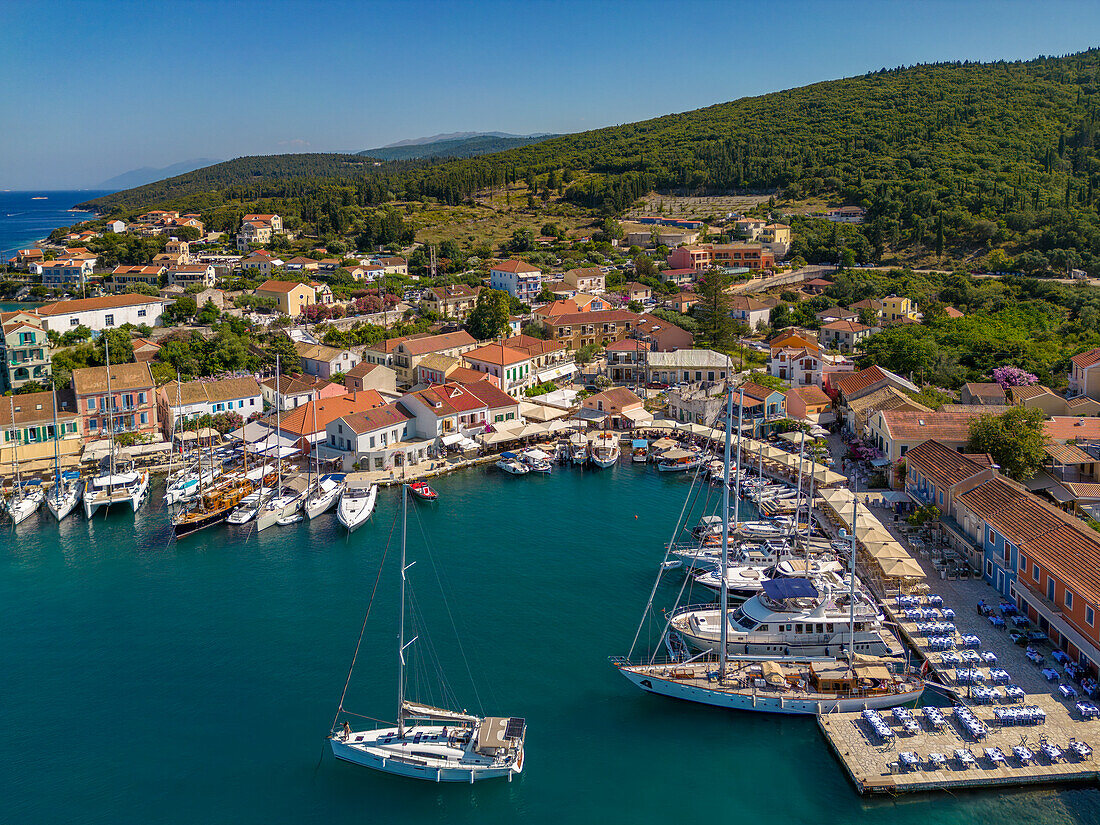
[977, 743]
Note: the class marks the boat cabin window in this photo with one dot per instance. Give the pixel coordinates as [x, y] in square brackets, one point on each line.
[763, 628]
[820, 628]
[798, 628]
[739, 618]
[829, 627]
[788, 628]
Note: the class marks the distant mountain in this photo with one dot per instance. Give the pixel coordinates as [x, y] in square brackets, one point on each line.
[454, 145]
[147, 174]
[420, 141]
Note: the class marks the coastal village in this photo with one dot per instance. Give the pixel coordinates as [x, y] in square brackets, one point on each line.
[371, 371]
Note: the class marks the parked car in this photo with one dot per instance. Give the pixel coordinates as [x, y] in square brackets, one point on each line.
[656, 385]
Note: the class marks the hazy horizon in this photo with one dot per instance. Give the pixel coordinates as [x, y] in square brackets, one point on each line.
[214, 81]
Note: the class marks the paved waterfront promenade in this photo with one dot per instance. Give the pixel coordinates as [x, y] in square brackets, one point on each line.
[874, 766]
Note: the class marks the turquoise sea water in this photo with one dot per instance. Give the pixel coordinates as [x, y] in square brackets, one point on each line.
[151, 681]
[24, 220]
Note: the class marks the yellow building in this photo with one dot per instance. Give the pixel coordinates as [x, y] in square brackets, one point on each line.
[897, 309]
[778, 233]
[291, 297]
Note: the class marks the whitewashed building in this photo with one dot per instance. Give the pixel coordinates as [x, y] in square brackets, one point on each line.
[98, 314]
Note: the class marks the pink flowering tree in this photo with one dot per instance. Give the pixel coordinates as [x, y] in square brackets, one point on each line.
[1014, 377]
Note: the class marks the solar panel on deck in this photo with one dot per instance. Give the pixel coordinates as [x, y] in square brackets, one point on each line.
[515, 728]
[793, 588]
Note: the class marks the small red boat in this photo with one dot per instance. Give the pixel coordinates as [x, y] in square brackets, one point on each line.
[420, 489]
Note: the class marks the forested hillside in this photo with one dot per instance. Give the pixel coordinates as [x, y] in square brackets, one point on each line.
[999, 154]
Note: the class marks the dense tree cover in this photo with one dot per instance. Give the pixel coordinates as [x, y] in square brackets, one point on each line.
[1011, 321]
[489, 317]
[942, 156]
[1015, 439]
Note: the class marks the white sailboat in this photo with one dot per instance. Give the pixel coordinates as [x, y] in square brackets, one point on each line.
[357, 501]
[287, 498]
[116, 484]
[431, 743]
[25, 498]
[764, 668]
[325, 490]
[325, 494]
[64, 495]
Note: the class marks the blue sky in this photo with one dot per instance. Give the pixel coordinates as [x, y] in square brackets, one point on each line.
[91, 89]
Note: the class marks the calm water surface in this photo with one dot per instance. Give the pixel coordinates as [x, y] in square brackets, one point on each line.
[152, 681]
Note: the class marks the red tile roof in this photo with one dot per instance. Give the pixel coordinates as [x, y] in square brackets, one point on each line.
[367, 420]
[1067, 428]
[906, 425]
[299, 421]
[846, 326]
[497, 355]
[1088, 359]
[943, 465]
[514, 266]
[861, 380]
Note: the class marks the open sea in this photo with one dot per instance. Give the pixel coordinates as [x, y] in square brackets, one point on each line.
[146, 680]
[24, 220]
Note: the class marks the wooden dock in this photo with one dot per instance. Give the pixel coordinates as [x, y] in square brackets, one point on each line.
[874, 768]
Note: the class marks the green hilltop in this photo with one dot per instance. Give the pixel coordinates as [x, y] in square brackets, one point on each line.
[967, 156]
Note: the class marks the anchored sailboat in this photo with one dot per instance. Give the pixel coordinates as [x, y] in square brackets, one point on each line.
[429, 742]
[765, 674]
[65, 492]
[25, 498]
[118, 485]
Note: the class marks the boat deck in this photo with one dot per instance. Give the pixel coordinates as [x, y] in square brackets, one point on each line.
[874, 766]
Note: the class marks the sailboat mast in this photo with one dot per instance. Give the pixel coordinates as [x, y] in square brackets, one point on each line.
[401, 620]
[852, 582]
[809, 499]
[316, 454]
[56, 453]
[14, 448]
[110, 412]
[278, 426]
[723, 571]
[798, 487]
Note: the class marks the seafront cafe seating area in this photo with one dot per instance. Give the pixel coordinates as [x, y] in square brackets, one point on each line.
[882, 560]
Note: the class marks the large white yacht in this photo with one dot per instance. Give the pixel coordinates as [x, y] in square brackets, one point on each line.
[795, 618]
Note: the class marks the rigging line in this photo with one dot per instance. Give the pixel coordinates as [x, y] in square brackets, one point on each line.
[660, 570]
[362, 630]
[450, 614]
[688, 579]
[447, 693]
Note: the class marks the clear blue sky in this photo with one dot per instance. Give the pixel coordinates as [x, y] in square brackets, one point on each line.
[91, 89]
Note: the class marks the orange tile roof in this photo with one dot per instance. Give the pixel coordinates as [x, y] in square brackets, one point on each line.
[861, 380]
[497, 355]
[1088, 359]
[438, 343]
[944, 465]
[846, 326]
[87, 304]
[514, 266]
[282, 287]
[906, 425]
[810, 395]
[1068, 427]
[299, 421]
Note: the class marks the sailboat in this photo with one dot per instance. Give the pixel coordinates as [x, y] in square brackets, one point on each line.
[123, 484]
[431, 743]
[325, 490]
[25, 498]
[768, 679]
[287, 497]
[64, 495]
